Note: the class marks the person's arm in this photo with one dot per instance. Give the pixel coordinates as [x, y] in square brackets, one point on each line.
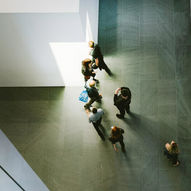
[115, 148]
[115, 98]
[167, 146]
[97, 62]
[122, 131]
[117, 91]
[87, 111]
[129, 92]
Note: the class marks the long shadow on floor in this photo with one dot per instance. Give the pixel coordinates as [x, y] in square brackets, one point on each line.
[148, 149]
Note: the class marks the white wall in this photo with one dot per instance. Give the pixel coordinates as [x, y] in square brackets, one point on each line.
[15, 165]
[28, 6]
[26, 57]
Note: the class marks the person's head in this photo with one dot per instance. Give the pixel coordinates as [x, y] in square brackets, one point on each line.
[114, 130]
[173, 147]
[91, 44]
[94, 110]
[86, 62]
[92, 83]
[124, 93]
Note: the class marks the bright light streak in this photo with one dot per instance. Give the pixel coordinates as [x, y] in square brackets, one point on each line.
[69, 57]
[89, 35]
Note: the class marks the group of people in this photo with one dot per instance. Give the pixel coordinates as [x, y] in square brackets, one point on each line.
[97, 61]
[122, 100]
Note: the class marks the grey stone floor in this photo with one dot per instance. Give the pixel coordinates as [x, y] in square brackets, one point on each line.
[147, 45]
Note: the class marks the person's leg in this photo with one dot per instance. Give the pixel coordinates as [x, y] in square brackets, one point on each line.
[105, 67]
[86, 78]
[87, 105]
[127, 108]
[98, 99]
[167, 154]
[99, 121]
[122, 112]
[93, 75]
[97, 81]
[175, 161]
[122, 145]
[98, 131]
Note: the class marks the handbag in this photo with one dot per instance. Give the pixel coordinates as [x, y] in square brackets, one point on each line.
[83, 96]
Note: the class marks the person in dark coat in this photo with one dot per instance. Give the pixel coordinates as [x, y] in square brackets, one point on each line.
[117, 136]
[87, 70]
[93, 94]
[122, 100]
[98, 57]
[172, 151]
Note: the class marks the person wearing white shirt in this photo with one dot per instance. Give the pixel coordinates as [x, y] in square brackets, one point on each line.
[95, 117]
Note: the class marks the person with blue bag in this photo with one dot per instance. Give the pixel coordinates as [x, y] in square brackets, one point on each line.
[93, 94]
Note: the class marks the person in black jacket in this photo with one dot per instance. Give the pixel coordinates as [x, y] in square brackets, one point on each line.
[93, 94]
[122, 100]
[87, 70]
[117, 136]
[98, 57]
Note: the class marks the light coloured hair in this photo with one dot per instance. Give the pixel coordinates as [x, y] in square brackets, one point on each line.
[86, 61]
[91, 44]
[92, 83]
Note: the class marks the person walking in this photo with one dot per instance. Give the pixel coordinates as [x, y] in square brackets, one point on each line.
[122, 100]
[95, 117]
[117, 136]
[172, 151]
[98, 57]
[93, 94]
[87, 70]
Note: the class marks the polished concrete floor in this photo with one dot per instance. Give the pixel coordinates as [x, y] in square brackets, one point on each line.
[147, 45]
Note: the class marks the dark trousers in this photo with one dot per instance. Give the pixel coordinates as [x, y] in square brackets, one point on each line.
[87, 105]
[123, 109]
[102, 65]
[96, 126]
[122, 144]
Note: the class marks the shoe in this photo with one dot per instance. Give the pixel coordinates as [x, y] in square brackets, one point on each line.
[119, 116]
[97, 81]
[123, 150]
[177, 164]
[99, 100]
[86, 107]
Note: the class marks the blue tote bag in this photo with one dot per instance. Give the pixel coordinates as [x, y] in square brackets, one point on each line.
[83, 96]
